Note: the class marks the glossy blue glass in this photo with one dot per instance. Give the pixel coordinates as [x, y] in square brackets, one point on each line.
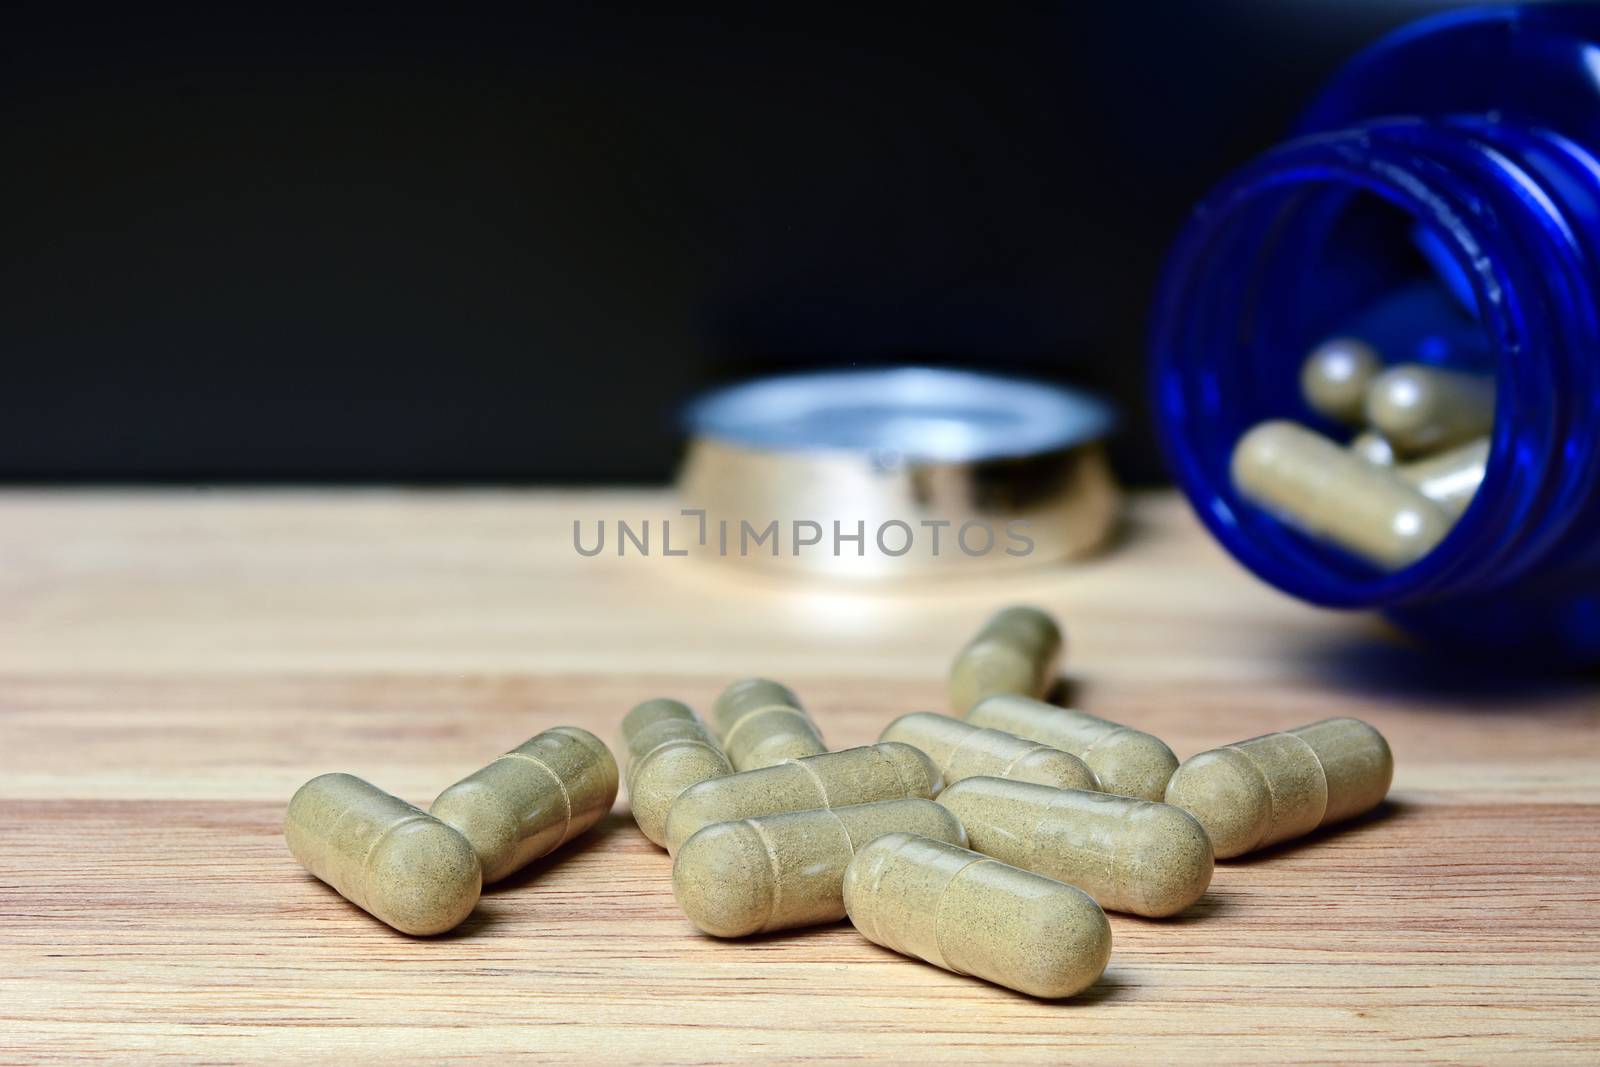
[1442, 199]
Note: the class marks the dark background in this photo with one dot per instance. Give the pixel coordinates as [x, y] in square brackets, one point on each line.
[420, 246]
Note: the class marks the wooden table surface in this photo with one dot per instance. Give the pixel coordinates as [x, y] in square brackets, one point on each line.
[173, 664]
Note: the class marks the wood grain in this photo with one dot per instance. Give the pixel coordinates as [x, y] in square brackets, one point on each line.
[173, 664]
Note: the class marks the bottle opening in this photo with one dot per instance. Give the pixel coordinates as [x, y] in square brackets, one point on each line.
[1320, 244]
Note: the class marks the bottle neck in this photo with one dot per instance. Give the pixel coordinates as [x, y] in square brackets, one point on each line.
[1287, 250]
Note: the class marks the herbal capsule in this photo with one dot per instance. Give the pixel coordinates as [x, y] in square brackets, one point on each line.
[1335, 376]
[961, 750]
[780, 871]
[1373, 448]
[761, 724]
[1313, 484]
[1130, 855]
[1421, 408]
[974, 915]
[532, 800]
[386, 857]
[1280, 786]
[1451, 478]
[1016, 652]
[886, 771]
[668, 750]
[1125, 761]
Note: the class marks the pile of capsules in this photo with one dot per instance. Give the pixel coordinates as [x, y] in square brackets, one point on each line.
[986, 845]
[1420, 439]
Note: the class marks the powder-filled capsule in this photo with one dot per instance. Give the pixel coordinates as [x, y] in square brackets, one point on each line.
[1450, 478]
[532, 800]
[775, 872]
[1419, 408]
[961, 750]
[1335, 377]
[668, 750]
[383, 855]
[1325, 491]
[1276, 787]
[1017, 651]
[974, 915]
[1130, 855]
[885, 771]
[1371, 447]
[761, 724]
[1125, 761]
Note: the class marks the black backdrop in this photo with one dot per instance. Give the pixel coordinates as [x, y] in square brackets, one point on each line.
[418, 245]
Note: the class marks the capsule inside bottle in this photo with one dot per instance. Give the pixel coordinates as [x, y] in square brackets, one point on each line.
[1450, 478]
[1420, 409]
[1326, 492]
[1336, 375]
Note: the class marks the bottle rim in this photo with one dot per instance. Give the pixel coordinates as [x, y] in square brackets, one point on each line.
[1507, 239]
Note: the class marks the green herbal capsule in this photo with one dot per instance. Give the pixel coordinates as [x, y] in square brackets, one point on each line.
[668, 750]
[961, 750]
[1420, 408]
[1280, 786]
[1130, 855]
[385, 856]
[762, 724]
[974, 915]
[884, 771]
[1127, 762]
[532, 800]
[1331, 493]
[775, 872]
[1450, 478]
[1017, 651]
[1371, 447]
[1335, 376]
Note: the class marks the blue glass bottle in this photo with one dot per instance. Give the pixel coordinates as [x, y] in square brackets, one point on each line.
[1442, 199]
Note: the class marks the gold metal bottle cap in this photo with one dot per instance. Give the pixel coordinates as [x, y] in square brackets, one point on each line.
[897, 472]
